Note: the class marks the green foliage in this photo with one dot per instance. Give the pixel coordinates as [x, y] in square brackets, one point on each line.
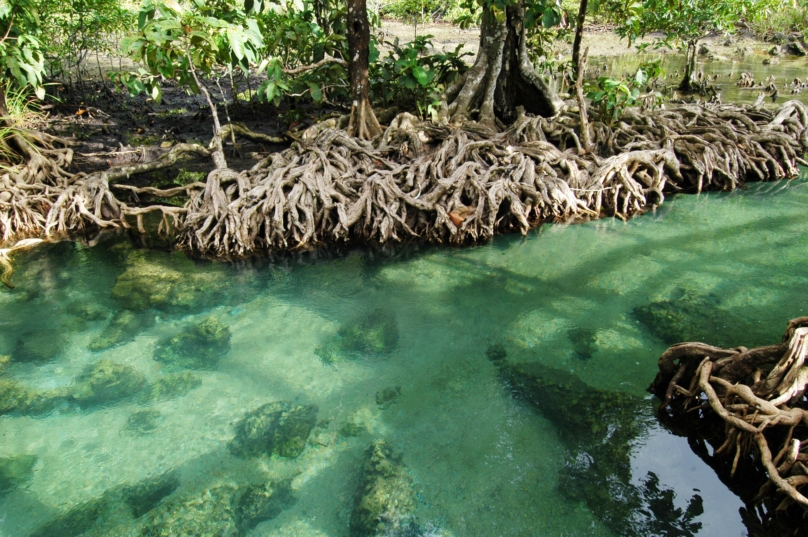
[77, 27]
[780, 16]
[174, 41]
[409, 74]
[422, 11]
[296, 36]
[538, 13]
[611, 96]
[21, 51]
[681, 21]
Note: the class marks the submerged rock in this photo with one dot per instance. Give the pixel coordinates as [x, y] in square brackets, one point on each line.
[374, 333]
[88, 311]
[143, 422]
[278, 428]
[584, 341]
[171, 283]
[105, 382]
[199, 346]
[171, 386]
[145, 495]
[14, 471]
[74, 522]
[352, 429]
[41, 345]
[386, 498]
[212, 513]
[262, 502]
[387, 396]
[16, 397]
[5, 360]
[124, 327]
[223, 511]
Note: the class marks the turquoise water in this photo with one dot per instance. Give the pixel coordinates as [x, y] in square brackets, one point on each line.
[391, 346]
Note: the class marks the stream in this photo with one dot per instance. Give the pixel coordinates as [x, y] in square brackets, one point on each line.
[134, 370]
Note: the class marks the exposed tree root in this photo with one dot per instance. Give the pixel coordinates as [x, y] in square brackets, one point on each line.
[418, 180]
[751, 405]
[443, 185]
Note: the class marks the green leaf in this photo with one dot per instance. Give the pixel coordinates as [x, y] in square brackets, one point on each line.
[316, 92]
[423, 76]
[157, 93]
[550, 18]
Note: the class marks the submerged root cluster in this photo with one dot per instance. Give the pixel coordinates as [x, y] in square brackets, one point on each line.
[751, 406]
[422, 181]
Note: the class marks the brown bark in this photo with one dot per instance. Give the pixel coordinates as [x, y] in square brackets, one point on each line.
[3, 108]
[687, 83]
[579, 35]
[363, 123]
[580, 66]
[502, 77]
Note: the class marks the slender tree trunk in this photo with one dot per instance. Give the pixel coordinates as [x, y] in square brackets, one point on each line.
[219, 159]
[690, 66]
[586, 141]
[579, 35]
[363, 122]
[502, 77]
[3, 108]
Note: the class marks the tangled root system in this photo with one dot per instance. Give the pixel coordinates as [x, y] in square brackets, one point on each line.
[419, 181]
[469, 183]
[751, 405]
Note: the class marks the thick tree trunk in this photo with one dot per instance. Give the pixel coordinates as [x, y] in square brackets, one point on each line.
[502, 77]
[363, 122]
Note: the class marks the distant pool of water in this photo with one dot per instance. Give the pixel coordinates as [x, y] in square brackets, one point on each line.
[132, 372]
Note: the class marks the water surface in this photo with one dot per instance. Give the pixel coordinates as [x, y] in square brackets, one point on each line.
[482, 462]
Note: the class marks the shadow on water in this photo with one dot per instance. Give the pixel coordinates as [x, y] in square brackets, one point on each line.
[447, 307]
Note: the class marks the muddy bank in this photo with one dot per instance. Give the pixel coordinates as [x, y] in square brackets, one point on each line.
[602, 41]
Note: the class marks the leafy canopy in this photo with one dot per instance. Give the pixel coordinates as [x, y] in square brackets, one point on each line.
[682, 21]
[174, 41]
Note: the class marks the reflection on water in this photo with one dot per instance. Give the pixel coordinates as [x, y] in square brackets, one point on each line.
[495, 390]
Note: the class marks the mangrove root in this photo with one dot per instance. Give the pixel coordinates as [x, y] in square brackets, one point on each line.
[751, 405]
[437, 183]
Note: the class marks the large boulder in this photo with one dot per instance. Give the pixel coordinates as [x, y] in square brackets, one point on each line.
[280, 428]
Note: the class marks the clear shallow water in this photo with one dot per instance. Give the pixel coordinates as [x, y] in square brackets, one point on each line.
[481, 461]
